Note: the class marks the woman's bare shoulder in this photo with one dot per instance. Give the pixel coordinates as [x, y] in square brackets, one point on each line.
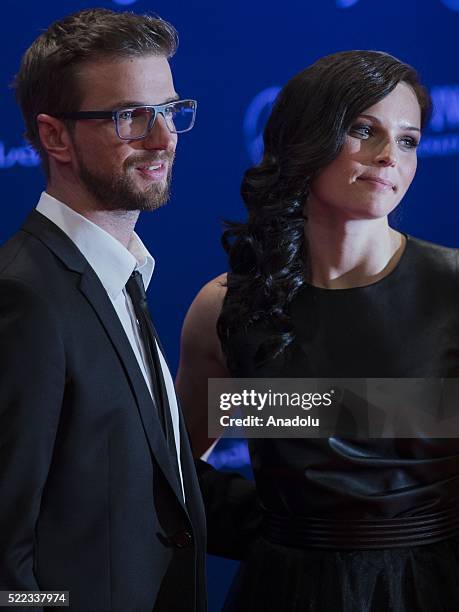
[209, 300]
[200, 326]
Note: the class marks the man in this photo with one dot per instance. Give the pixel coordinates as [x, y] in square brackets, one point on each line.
[98, 492]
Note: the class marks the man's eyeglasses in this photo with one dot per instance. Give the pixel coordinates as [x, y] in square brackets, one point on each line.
[134, 122]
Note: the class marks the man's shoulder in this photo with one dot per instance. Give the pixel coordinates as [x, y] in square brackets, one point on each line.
[28, 262]
[22, 254]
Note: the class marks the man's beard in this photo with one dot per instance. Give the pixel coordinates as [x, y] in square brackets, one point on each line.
[117, 191]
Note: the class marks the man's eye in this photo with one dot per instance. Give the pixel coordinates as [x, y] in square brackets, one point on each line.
[126, 115]
[361, 131]
[170, 111]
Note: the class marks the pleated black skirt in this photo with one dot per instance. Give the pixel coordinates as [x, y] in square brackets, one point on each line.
[416, 579]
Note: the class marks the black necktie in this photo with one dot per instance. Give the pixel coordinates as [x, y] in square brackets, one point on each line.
[136, 292]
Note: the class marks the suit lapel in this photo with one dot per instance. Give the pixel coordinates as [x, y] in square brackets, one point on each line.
[91, 287]
[194, 499]
[193, 496]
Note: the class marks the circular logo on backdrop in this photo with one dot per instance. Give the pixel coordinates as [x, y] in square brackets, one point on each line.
[124, 2]
[452, 4]
[255, 119]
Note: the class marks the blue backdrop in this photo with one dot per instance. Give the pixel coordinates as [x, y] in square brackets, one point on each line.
[233, 57]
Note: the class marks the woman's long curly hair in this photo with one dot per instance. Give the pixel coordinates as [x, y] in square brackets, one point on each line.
[304, 133]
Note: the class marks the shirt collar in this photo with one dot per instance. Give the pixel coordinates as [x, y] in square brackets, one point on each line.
[110, 260]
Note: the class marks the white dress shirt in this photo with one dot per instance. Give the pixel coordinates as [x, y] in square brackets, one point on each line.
[114, 264]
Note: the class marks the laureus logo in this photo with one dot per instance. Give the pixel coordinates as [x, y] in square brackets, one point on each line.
[345, 3]
[22, 155]
[442, 136]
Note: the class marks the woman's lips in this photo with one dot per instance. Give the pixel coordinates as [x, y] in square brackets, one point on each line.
[377, 182]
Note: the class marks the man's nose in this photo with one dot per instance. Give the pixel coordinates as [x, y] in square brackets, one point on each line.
[160, 137]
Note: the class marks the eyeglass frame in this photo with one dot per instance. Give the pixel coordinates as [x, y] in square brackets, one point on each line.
[114, 115]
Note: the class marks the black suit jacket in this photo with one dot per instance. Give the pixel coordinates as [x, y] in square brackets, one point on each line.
[89, 501]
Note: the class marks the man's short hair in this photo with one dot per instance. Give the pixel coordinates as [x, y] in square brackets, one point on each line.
[47, 79]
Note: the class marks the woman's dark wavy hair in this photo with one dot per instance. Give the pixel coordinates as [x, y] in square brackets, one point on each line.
[304, 133]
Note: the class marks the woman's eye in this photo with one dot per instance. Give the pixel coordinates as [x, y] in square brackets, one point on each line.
[408, 142]
[361, 131]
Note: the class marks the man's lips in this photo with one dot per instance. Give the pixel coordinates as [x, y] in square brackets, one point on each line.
[152, 169]
[377, 181]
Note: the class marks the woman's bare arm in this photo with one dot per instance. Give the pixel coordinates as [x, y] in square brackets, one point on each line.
[201, 358]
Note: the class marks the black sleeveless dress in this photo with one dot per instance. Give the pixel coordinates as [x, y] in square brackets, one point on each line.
[360, 525]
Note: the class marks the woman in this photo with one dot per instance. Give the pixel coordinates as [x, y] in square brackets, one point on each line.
[321, 286]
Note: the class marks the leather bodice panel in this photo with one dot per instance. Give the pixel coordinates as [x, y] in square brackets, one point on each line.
[403, 326]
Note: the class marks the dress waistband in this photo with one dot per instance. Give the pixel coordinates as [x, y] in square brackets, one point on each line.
[306, 532]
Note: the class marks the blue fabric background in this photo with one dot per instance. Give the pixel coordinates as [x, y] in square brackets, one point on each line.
[232, 58]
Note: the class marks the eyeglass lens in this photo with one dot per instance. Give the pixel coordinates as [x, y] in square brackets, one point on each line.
[133, 122]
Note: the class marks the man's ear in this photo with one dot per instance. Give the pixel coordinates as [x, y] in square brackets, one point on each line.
[55, 138]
